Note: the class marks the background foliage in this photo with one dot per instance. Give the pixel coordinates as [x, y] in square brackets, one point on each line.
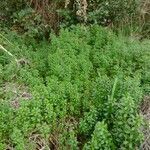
[38, 18]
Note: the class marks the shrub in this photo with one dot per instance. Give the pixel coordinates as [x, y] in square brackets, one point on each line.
[127, 124]
[108, 11]
[101, 138]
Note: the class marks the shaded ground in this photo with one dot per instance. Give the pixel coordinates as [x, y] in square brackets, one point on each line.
[145, 111]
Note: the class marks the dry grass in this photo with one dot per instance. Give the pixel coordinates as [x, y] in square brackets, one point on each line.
[144, 18]
[82, 9]
[48, 11]
[144, 11]
[18, 93]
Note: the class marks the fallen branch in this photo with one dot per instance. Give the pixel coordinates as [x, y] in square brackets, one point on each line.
[10, 54]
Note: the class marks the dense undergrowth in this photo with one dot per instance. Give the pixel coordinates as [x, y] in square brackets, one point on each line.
[81, 91]
[36, 18]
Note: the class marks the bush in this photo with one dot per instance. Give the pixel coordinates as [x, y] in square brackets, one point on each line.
[105, 12]
[127, 122]
[101, 138]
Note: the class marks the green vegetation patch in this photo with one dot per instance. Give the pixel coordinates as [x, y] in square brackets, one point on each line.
[82, 91]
